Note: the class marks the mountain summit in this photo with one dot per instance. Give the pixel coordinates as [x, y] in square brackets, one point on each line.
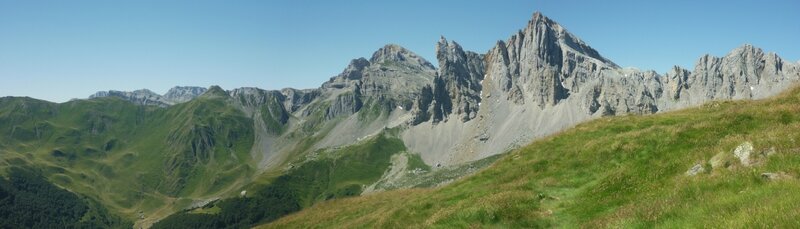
[392, 53]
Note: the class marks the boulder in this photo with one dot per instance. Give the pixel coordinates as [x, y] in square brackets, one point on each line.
[742, 152]
[696, 169]
[775, 176]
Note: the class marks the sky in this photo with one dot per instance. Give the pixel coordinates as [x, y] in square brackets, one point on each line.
[58, 50]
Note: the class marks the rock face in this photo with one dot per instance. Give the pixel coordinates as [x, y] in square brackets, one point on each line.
[146, 97]
[345, 104]
[393, 77]
[183, 94]
[543, 64]
[142, 97]
[744, 73]
[456, 89]
[392, 54]
[544, 79]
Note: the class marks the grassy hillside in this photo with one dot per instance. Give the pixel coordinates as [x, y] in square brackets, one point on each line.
[324, 175]
[138, 161]
[27, 200]
[626, 171]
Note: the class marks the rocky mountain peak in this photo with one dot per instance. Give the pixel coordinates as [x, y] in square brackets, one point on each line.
[174, 96]
[746, 52]
[180, 94]
[354, 70]
[549, 33]
[391, 78]
[449, 51]
[457, 87]
[393, 54]
[745, 49]
[543, 63]
[141, 97]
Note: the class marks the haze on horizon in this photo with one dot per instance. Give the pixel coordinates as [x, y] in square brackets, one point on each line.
[58, 50]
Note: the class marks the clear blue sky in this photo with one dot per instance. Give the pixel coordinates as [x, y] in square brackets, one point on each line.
[57, 50]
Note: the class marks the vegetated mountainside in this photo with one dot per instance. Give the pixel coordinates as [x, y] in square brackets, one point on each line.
[138, 161]
[725, 164]
[28, 200]
[324, 175]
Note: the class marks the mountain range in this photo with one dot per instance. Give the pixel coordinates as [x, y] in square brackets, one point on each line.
[478, 105]
[392, 121]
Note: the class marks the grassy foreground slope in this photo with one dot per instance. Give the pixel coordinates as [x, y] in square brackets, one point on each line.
[628, 171]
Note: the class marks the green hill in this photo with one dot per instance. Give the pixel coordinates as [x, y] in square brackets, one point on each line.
[629, 171]
[136, 160]
[324, 176]
[27, 200]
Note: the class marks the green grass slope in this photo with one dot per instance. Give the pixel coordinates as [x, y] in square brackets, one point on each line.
[28, 200]
[138, 161]
[324, 175]
[625, 171]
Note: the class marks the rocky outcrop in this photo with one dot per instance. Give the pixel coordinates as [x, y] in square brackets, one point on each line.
[544, 79]
[255, 97]
[344, 104]
[746, 72]
[422, 106]
[776, 176]
[464, 68]
[297, 98]
[442, 103]
[543, 64]
[457, 87]
[396, 55]
[183, 94]
[141, 97]
[355, 70]
[676, 81]
[696, 169]
[632, 92]
[146, 97]
[392, 77]
[742, 152]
